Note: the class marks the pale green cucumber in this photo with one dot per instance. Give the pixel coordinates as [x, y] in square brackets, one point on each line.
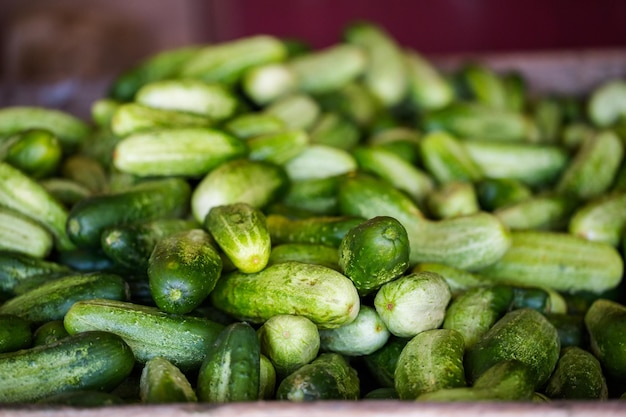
[266, 83]
[20, 234]
[607, 103]
[296, 111]
[134, 117]
[602, 219]
[320, 161]
[321, 294]
[365, 335]
[278, 147]
[453, 199]
[428, 88]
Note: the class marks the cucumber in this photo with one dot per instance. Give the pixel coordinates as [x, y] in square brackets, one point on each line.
[312, 253]
[329, 377]
[323, 295]
[374, 252]
[604, 321]
[320, 161]
[87, 171]
[316, 195]
[130, 245]
[428, 88]
[354, 101]
[516, 90]
[49, 332]
[211, 100]
[181, 339]
[382, 363]
[102, 110]
[67, 192]
[386, 72]
[182, 270]
[577, 376]
[21, 234]
[558, 261]
[278, 147]
[15, 333]
[228, 61]
[607, 103]
[87, 361]
[459, 280]
[413, 303]
[16, 268]
[36, 152]
[335, 129]
[365, 335]
[601, 220]
[571, 328]
[539, 212]
[231, 370]
[325, 230]
[148, 200]
[482, 84]
[289, 342]
[524, 335]
[257, 183]
[70, 130]
[266, 83]
[452, 199]
[476, 310]
[248, 125]
[186, 152]
[23, 194]
[267, 379]
[161, 382]
[430, 361]
[494, 193]
[446, 159]
[241, 231]
[51, 300]
[296, 111]
[134, 118]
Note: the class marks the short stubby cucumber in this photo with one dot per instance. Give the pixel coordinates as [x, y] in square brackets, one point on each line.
[323, 295]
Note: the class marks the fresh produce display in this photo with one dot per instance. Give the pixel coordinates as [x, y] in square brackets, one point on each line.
[260, 220]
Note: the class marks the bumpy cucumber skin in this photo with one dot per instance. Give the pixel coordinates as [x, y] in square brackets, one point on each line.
[325, 230]
[162, 382]
[329, 377]
[241, 232]
[323, 295]
[149, 200]
[430, 361]
[51, 300]
[231, 369]
[182, 270]
[181, 339]
[605, 321]
[90, 360]
[577, 376]
[524, 335]
[49, 332]
[559, 261]
[374, 253]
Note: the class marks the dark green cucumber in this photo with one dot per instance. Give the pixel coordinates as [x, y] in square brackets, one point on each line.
[183, 269]
[87, 361]
[51, 300]
[15, 333]
[145, 201]
[329, 377]
[430, 361]
[241, 231]
[524, 335]
[325, 296]
[577, 376]
[49, 332]
[313, 253]
[231, 370]
[494, 193]
[181, 339]
[374, 253]
[605, 322]
[35, 152]
[382, 363]
[161, 382]
[326, 230]
[16, 268]
[131, 244]
[570, 327]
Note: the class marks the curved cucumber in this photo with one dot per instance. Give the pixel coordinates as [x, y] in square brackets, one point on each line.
[87, 361]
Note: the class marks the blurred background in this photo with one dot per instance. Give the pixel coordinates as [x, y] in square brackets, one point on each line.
[63, 53]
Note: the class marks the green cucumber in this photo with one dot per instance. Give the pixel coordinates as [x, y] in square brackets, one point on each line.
[231, 370]
[321, 294]
[325, 230]
[558, 261]
[452, 199]
[148, 200]
[67, 192]
[329, 377]
[607, 103]
[249, 125]
[539, 212]
[241, 231]
[335, 129]
[494, 193]
[482, 84]
[161, 382]
[601, 220]
[16, 268]
[365, 335]
[87, 171]
[278, 147]
[374, 252]
[428, 88]
[35, 152]
[382, 363]
[313, 253]
[315, 195]
[49, 332]
[446, 159]
[524, 335]
[257, 183]
[516, 89]
[430, 361]
[296, 111]
[289, 342]
[266, 83]
[413, 303]
[131, 244]
[267, 379]
[577, 376]
[459, 280]
[186, 152]
[90, 360]
[181, 339]
[23, 194]
[320, 161]
[15, 333]
[51, 300]
[130, 118]
[571, 328]
[605, 322]
[183, 269]
[21, 234]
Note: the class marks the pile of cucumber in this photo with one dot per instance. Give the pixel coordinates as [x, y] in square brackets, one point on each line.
[260, 220]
